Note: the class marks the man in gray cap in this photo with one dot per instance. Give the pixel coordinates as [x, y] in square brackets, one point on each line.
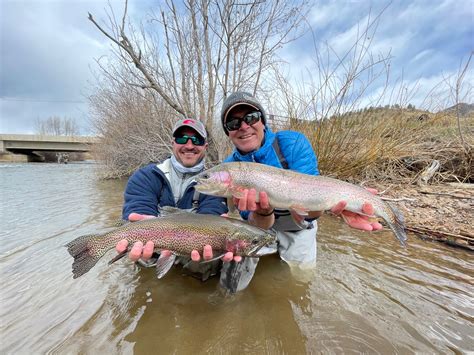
[171, 183]
[244, 120]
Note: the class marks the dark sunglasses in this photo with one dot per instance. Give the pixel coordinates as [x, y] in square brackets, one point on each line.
[196, 140]
[234, 123]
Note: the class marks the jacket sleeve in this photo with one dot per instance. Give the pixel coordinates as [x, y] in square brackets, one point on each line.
[302, 157]
[212, 205]
[142, 194]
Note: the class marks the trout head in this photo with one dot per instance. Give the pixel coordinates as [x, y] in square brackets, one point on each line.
[216, 181]
[245, 244]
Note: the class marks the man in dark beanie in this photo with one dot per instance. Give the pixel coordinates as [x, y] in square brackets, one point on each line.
[245, 121]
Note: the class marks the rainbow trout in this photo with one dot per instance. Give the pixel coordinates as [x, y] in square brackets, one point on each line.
[294, 191]
[175, 230]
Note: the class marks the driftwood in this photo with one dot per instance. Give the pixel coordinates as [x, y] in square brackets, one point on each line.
[447, 194]
[398, 199]
[463, 239]
[429, 172]
[461, 185]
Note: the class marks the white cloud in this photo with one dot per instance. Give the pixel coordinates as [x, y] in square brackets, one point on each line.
[47, 51]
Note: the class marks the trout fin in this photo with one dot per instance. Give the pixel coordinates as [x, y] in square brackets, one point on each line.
[84, 256]
[299, 209]
[164, 264]
[119, 256]
[237, 192]
[213, 259]
[233, 211]
[168, 210]
[119, 223]
[398, 227]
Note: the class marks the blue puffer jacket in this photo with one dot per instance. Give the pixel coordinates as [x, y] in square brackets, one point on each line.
[148, 189]
[294, 146]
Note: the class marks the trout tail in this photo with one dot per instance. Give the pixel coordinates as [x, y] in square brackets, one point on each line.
[398, 225]
[84, 254]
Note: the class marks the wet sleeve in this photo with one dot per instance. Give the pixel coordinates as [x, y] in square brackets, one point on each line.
[141, 194]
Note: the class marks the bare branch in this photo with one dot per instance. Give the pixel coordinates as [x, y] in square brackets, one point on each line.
[125, 44]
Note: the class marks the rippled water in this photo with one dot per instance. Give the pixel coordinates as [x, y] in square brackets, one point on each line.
[366, 295]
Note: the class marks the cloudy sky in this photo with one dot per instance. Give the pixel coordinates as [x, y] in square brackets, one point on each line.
[48, 49]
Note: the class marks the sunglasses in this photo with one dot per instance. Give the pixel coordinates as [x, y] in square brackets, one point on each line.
[251, 118]
[196, 140]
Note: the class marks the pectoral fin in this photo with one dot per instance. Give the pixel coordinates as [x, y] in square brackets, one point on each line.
[299, 209]
[233, 211]
[213, 259]
[237, 192]
[164, 264]
[119, 256]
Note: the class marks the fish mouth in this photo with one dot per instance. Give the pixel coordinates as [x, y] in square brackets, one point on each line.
[254, 251]
[205, 187]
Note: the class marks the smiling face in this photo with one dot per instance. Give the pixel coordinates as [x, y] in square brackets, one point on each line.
[188, 154]
[246, 138]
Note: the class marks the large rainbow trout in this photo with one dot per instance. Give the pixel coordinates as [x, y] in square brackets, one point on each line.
[294, 191]
[176, 230]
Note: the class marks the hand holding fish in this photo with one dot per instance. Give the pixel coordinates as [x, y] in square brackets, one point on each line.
[145, 252]
[262, 215]
[177, 232]
[356, 220]
[262, 209]
[138, 250]
[207, 254]
[302, 194]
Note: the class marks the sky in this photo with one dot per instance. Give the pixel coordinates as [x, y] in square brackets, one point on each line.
[48, 49]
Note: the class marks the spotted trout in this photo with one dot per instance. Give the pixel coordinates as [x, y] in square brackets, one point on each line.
[176, 230]
[290, 190]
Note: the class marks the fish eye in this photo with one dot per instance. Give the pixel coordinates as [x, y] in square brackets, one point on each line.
[255, 241]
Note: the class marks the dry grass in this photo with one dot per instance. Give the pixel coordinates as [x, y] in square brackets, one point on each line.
[389, 144]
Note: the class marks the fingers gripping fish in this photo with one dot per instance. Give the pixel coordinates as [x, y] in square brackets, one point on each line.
[294, 191]
[177, 231]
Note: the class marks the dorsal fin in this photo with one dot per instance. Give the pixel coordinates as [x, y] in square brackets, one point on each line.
[167, 210]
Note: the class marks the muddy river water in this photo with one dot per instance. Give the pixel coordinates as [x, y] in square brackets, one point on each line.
[367, 294]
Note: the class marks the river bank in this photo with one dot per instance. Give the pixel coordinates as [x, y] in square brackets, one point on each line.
[440, 212]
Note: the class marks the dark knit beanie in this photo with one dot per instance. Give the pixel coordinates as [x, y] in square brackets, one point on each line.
[240, 98]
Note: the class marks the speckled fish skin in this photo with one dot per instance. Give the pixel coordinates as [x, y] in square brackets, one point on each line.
[291, 190]
[180, 232]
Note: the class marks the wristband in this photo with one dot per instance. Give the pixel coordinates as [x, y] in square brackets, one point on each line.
[266, 214]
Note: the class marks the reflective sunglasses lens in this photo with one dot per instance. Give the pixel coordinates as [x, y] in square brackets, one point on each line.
[197, 140]
[181, 140]
[233, 124]
[250, 119]
[184, 139]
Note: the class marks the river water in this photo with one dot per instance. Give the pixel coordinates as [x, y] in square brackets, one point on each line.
[367, 294]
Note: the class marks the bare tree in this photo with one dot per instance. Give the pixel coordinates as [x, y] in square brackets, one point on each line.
[192, 55]
[57, 126]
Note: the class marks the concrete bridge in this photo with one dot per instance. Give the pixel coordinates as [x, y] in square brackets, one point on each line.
[27, 144]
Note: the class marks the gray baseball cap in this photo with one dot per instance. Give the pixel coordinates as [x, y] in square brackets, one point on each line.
[198, 126]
